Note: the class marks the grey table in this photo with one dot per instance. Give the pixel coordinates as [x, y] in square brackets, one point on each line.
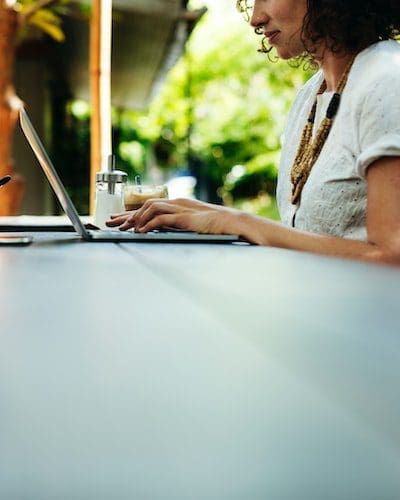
[159, 371]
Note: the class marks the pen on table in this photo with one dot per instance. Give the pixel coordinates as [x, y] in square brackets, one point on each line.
[4, 180]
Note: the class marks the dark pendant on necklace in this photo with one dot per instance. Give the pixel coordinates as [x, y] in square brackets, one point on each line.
[310, 148]
[333, 106]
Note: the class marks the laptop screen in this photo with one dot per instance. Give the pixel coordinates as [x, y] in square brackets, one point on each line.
[50, 171]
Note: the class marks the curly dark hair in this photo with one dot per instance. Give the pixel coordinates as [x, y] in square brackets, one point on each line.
[350, 25]
[344, 25]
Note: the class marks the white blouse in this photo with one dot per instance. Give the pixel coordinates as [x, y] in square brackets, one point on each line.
[366, 127]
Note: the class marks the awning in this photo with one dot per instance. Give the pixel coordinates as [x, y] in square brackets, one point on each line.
[149, 37]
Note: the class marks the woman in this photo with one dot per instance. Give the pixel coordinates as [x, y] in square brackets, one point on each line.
[339, 179]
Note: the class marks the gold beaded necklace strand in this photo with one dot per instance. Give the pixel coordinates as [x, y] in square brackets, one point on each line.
[309, 150]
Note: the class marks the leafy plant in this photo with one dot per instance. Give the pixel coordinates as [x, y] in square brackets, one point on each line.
[223, 105]
[19, 19]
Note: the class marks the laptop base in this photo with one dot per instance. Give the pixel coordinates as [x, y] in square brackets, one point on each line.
[161, 236]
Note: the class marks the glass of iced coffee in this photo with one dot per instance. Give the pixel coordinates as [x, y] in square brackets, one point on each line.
[135, 195]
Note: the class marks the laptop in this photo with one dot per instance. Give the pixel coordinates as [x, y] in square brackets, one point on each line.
[113, 235]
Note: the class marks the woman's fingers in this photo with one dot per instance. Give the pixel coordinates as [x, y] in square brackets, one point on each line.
[151, 210]
[118, 220]
[139, 218]
[151, 215]
[161, 221]
[123, 214]
[190, 215]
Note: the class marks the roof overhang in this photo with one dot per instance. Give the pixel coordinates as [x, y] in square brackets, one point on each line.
[149, 36]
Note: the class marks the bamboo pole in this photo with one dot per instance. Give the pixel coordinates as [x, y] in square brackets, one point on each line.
[95, 129]
[105, 82]
[100, 86]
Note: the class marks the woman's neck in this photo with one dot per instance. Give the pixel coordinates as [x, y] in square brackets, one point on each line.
[333, 67]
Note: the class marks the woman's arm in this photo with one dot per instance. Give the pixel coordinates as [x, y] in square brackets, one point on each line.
[383, 221]
[383, 213]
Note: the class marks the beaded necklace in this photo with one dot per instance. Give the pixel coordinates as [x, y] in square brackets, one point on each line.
[309, 149]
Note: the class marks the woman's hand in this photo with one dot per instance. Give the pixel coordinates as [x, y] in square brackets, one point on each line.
[186, 214]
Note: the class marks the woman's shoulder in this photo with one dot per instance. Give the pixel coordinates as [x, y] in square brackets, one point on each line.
[378, 64]
[386, 51]
[374, 80]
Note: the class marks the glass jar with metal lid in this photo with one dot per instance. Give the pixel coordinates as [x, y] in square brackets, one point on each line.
[109, 195]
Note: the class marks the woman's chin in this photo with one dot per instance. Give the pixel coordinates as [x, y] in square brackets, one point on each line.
[283, 54]
[286, 54]
[286, 50]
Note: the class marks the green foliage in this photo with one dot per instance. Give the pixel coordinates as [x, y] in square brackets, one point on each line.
[232, 101]
[36, 20]
[48, 22]
[257, 178]
[219, 116]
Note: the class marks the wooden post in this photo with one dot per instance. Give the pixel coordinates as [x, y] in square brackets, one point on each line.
[95, 130]
[100, 86]
[105, 82]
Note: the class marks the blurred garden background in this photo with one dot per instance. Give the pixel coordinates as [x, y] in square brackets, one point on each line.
[219, 116]
[214, 125]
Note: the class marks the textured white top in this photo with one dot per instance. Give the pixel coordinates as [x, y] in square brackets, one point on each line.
[366, 127]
